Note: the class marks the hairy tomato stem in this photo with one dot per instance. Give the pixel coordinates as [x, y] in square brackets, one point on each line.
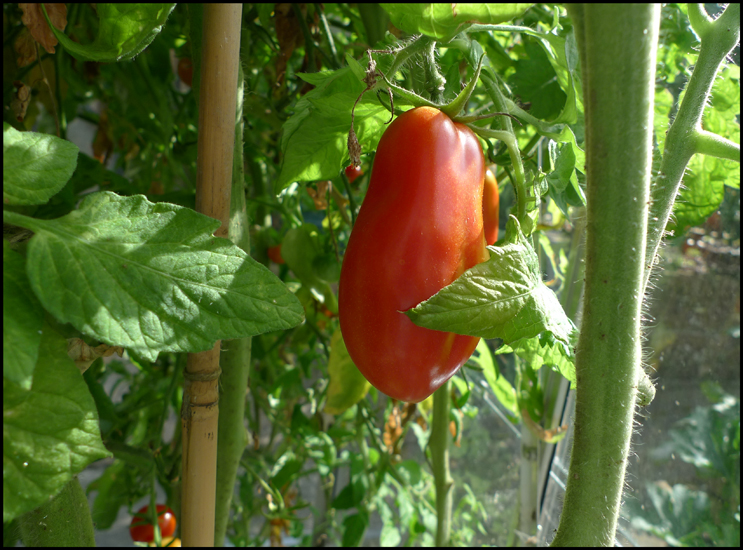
[618, 89]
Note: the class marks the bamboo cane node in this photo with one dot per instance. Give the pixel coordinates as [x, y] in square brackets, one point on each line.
[202, 376]
[189, 407]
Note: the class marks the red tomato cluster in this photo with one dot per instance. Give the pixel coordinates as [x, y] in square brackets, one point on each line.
[419, 228]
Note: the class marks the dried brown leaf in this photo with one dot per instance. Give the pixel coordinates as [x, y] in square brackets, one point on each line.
[33, 18]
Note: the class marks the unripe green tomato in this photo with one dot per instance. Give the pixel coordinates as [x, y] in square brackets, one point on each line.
[419, 228]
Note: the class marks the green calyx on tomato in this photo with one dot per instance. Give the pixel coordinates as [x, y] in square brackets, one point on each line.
[419, 228]
[141, 530]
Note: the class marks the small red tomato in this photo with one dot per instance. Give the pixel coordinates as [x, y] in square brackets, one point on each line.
[490, 207]
[274, 254]
[141, 530]
[353, 172]
[185, 70]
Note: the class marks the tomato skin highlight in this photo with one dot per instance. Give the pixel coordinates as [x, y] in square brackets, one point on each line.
[420, 227]
[490, 203]
[352, 172]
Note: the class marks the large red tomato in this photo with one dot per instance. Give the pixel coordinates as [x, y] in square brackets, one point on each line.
[420, 227]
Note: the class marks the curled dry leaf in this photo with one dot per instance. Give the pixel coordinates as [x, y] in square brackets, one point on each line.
[83, 355]
[392, 429]
[21, 98]
[25, 48]
[320, 197]
[103, 145]
[33, 18]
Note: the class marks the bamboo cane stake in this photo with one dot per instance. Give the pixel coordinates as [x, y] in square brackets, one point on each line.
[200, 412]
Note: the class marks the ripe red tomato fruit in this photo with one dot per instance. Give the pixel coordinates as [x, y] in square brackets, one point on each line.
[490, 207]
[352, 172]
[420, 227]
[274, 254]
[185, 70]
[141, 530]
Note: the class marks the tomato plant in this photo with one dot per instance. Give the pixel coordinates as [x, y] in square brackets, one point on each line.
[353, 172]
[419, 228]
[490, 203]
[576, 182]
[142, 531]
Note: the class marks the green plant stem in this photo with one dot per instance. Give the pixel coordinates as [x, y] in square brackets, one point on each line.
[420, 44]
[328, 35]
[686, 137]
[570, 298]
[374, 18]
[63, 520]
[232, 437]
[435, 81]
[500, 104]
[58, 95]
[439, 446]
[528, 479]
[618, 47]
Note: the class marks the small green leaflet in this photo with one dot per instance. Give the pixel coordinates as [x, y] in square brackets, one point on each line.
[504, 298]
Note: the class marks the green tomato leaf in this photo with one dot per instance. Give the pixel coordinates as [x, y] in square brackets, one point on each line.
[151, 277]
[356, 67]
[50, 432]
[22, 320]
[304, 258]
[35, 166]
[314, 140]
[322, 450]
[299, 251]
[124, 31]
[354, 527]
[290, 466]
[347, 385]
[706, 176]
[444, 21]
[545, 349]
[502, 298]
[502, 388]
